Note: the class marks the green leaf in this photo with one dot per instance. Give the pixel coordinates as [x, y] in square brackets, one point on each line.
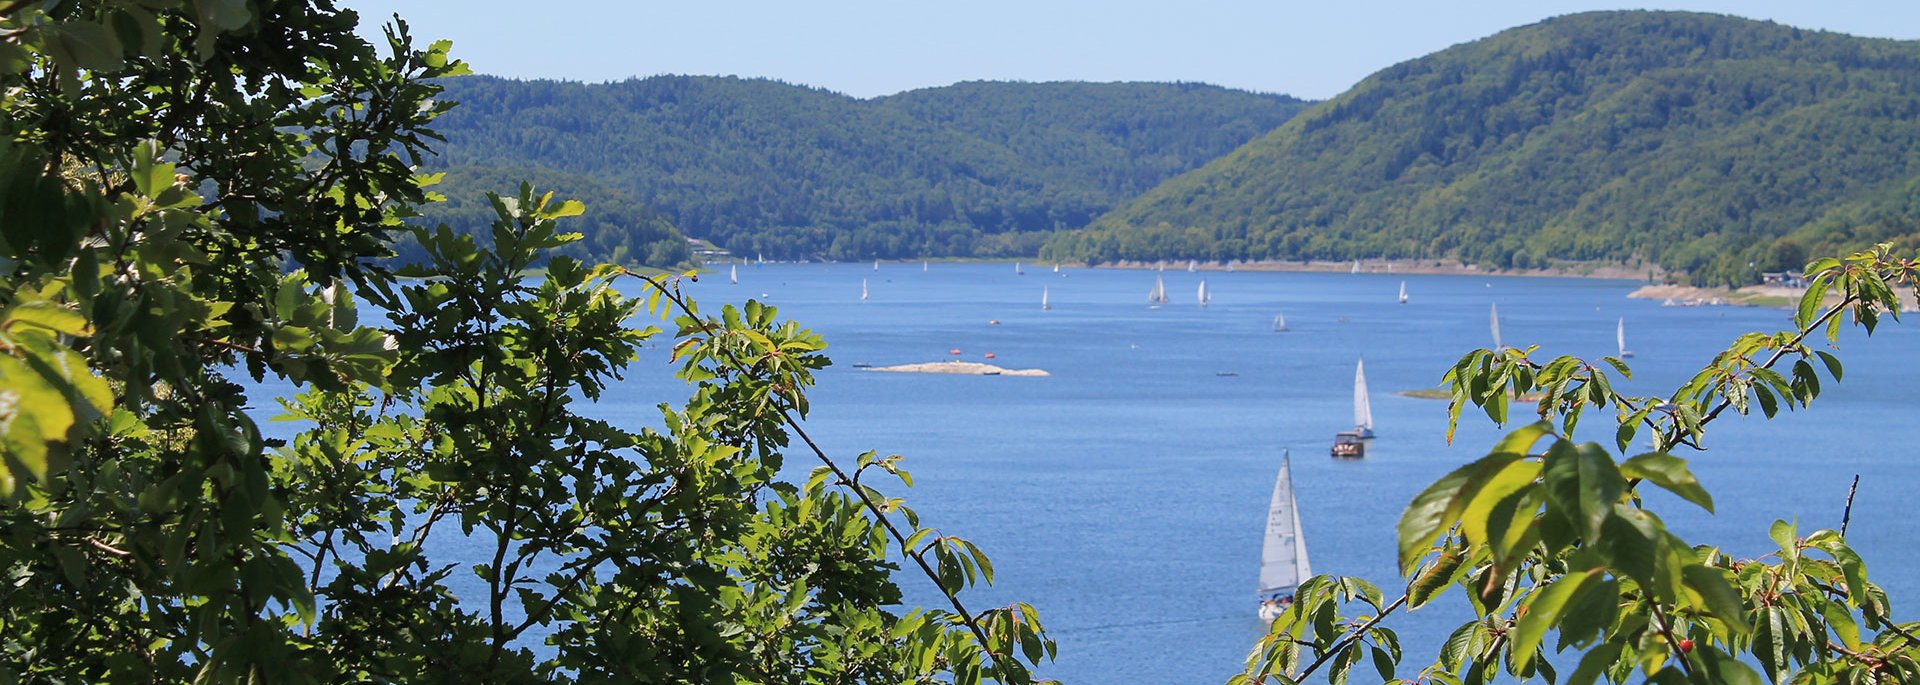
[1584, 482]
[1670, 473]
[1842, 623]
[1437, 576]
[47, 315]
[1435, 509]
[1544, 610]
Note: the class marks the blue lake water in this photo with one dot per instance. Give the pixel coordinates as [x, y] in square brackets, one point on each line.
[1124, 495]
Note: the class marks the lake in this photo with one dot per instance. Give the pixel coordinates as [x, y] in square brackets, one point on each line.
[1124, 495]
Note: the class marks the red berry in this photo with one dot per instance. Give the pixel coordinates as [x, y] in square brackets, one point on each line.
[1686, 645]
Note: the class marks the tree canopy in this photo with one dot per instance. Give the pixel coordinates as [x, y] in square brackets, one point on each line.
[1691, 141]
[202, 198]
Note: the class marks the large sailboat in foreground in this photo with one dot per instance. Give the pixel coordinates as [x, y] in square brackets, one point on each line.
[1283, 551]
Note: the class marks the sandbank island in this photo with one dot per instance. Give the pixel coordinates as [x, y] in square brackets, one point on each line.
[961, 368]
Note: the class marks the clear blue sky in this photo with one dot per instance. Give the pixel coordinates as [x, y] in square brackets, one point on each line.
[870, 47]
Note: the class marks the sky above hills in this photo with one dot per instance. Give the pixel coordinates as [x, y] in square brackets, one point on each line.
[872, 47]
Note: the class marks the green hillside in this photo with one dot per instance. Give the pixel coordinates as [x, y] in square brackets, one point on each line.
[1697, 142]
[759, 166]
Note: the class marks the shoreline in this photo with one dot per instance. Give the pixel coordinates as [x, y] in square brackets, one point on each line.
[1442, 267]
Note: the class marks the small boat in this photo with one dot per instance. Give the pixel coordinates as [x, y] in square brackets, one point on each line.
[1362, 406]
[758, 260]
[1348, 445]
[1403, 292]
[1356, 267]
[923, 266]
[1017, 271]
[1056, 268]
[1192, 266]
[733, 274]
[1283, 549]
[1227, 374]
[1495, 315]
[1620, 334]
[1279, 323]
[1205, 298]
[863, 290]
[1044, 305]
[862, 365]
[1159, 293]
[876, 265]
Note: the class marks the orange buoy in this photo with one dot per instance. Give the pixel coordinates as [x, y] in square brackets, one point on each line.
[954, 351]
[989, 355]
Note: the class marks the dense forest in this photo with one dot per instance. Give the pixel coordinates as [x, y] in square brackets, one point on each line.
[1707, 144]
[759, 166]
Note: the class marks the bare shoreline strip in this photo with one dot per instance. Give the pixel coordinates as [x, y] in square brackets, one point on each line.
[962, 369]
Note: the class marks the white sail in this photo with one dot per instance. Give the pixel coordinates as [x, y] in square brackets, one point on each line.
[1017, 271]
[1620, 334]
[1283, 551]
[758, 260]
[1159, 293]
[1362, 407]
[1192, 266]
[1043, 299]
[923, 266]
[1403, 292]
[1279, 322]
[733, 274]
[1497, 346]
[1356, 267]
[876, 265]
[1204, 297]
[1056, 268]
[863, 290]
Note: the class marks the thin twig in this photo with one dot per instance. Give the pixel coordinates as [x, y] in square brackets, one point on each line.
[1847, 514]
[1356, 634]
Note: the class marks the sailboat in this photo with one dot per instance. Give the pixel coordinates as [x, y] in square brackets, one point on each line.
[1497, 345]
[1159, 293]
[733, 274]
[863, 290]
[758, 260]
[1403, 292]
[1283, 550]
[1205, 298]
[1621, 334]
[1356, 267]
[1017, 271]
[1279, 322]
[1056, 268]
[876, 265]
[923, 266]
[1043, 299]
[1362, 406]
[1192, 266]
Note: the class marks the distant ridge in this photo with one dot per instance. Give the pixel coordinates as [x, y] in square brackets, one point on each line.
[764, 167]
[1698, 142]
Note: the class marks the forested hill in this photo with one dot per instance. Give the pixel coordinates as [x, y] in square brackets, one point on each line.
[1695, 141]
[766, 167]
